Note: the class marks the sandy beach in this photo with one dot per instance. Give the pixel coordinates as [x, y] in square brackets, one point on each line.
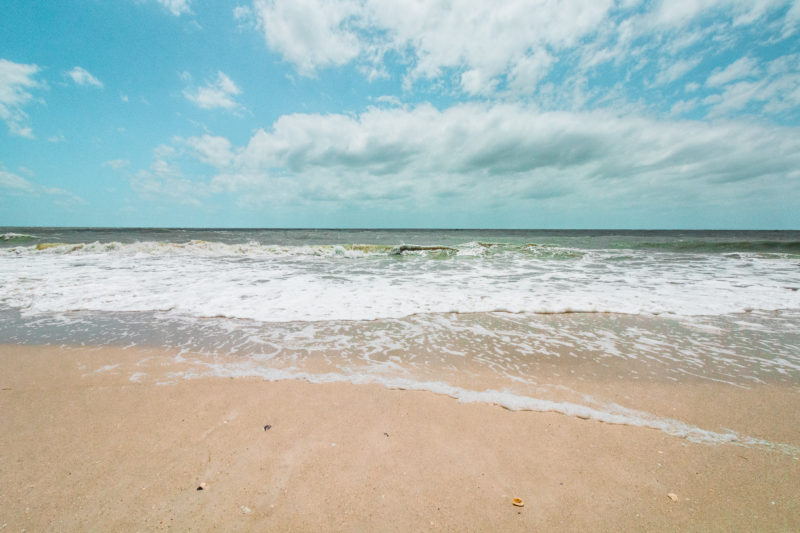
[369, 266]
[106, 439]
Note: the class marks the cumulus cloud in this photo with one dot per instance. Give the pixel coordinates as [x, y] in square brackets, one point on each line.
[311, 34]
[17, 81]
[485, 40]
[219, 93]
[214, 151]
[503, 154]
[511, 48]
[83, 77]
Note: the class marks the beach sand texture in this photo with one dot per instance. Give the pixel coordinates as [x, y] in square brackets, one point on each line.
[83, 447]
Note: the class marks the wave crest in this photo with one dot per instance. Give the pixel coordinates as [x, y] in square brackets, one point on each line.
[254, 249]
[16, 237]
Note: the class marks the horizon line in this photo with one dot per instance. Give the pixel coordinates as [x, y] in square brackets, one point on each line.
[377, 228]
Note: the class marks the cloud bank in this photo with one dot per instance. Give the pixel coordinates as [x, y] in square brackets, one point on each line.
[477, 155]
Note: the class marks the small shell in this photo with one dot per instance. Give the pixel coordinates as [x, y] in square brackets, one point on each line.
[518, 502]
[672, 496]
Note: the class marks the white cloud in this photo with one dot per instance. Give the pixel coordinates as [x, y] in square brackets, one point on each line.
[485, 48]
[82, 77]
[389, 100]
[673, 14]
[244, 17]
[675, 71]
[776, 91]
[484, 36]
[485, 39]
[745, 67]
[215, 94]
[787, 64]
[15, 183]
[12, 183]
[164, 180]
[214, 151]
[177, 7]
[312, 34]
[507, 154]
[157, 186]
[475, 81]
[525, 75]
[792, 19]
[683, 106]
[17, 80]
[242, 13]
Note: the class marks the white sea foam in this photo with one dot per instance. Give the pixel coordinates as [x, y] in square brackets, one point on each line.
[610, 413]
[200, 248]
[11, 236]
[472, 321]
[361, 282]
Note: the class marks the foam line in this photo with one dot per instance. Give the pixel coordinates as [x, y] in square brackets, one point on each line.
[608, 413]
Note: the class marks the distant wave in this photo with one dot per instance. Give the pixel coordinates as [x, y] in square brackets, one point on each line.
[212, 248]
[732, 249]
[16, 237]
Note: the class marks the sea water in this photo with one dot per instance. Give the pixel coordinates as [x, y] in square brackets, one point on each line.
[493, 316]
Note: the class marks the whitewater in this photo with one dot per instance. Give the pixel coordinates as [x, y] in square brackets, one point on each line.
[495, 316]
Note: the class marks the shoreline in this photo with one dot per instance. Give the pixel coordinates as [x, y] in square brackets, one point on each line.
[84, 449]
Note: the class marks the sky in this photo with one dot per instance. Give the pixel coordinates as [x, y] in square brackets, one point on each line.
[424, 113]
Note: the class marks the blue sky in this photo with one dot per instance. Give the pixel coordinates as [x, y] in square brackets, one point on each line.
[370, 113]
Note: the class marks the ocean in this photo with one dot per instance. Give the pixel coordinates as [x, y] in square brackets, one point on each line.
[529, 319]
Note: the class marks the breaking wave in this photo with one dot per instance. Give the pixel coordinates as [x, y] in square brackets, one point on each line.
[544, 251]
[16, 237]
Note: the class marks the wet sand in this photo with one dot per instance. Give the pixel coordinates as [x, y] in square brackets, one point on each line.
[85, 448]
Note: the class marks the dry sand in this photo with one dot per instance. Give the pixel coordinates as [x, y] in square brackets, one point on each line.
[83, 448]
